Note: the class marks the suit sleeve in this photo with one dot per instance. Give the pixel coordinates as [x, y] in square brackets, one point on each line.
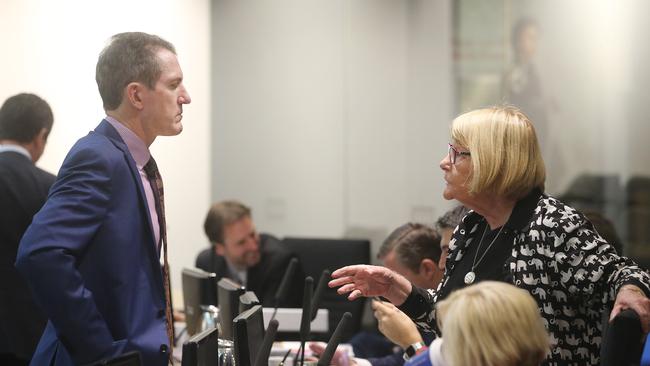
[53, 246]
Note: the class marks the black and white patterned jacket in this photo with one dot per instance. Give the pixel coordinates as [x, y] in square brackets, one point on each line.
[570, 270]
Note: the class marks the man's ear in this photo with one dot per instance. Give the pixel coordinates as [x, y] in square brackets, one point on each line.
[37, 145]
[133, 94]
[43, 134]
[220, 249]
[429, 268]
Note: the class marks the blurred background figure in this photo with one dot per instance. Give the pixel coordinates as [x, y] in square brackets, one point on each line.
[239, 252]
[25, 123]
[522, 85]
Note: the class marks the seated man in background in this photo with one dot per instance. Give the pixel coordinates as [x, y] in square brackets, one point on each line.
[446, 225]
[240, 253]
[412, 250]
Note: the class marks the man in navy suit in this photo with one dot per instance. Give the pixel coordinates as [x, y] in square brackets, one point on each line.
[92, 254]
[25, 122]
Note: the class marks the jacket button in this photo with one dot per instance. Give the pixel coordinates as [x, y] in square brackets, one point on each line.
[163, 348]
[161, 313]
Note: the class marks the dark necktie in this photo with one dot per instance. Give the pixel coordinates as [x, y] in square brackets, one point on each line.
[157, 186]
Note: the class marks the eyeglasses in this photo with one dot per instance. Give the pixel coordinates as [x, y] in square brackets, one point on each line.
[453, 153]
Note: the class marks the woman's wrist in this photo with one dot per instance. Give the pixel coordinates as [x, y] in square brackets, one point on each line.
[400, 290]
[412, 340]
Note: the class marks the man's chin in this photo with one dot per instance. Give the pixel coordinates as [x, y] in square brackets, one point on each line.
[174, 130]
[253, 262]
[178, 128]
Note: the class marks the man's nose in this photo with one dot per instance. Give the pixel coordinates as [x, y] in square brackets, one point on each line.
[185, 97]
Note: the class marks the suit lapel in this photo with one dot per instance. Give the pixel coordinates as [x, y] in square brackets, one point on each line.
[109, 131]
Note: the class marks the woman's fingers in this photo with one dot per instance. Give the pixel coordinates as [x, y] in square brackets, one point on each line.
[355, 295]
[346, 288]
[346, 271]
[340, 281]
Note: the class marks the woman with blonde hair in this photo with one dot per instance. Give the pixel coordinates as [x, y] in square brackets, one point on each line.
[492, 324]
[516, 233]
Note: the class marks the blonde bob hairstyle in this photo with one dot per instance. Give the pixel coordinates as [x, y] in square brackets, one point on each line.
[506, 158]
[492, 324]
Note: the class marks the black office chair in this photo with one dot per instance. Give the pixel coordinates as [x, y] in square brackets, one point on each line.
[621, 342]
[318, 254]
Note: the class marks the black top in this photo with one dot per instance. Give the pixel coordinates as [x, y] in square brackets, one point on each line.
[492, 267]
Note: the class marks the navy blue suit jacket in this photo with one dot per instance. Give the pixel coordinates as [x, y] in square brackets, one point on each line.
[90, 258]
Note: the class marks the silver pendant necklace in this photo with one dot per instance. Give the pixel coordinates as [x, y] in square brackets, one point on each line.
[471, 275]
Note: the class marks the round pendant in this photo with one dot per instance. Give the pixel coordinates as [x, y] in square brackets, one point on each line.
[469, 278]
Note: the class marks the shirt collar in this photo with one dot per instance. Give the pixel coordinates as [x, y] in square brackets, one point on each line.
[17, 149]
[240, 274]
[138, 149]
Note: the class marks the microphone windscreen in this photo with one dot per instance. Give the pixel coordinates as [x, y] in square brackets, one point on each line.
[318, 294]
[265, 351]
[284, 285]
[334, 341]
[305, 321]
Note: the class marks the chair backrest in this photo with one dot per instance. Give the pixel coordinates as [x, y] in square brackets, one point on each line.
[621, 342]
[317, 255]
[638, 217]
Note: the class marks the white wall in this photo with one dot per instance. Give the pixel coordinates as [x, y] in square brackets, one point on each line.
[50, 48]
[331, 116]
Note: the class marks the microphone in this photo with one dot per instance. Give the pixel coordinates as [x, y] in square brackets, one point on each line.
[284, 284]
[334, 341]
[318, 294]
[265, 350]
[305, 321]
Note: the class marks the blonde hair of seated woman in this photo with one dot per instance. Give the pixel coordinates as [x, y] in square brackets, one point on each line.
[492, 324]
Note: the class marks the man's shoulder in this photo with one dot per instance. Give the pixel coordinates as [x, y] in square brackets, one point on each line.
[11, 161]
[15, 167]
[44, 176]
[94, 149]
[209, 261]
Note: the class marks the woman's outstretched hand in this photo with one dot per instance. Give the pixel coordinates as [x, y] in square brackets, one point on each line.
[366, 280]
